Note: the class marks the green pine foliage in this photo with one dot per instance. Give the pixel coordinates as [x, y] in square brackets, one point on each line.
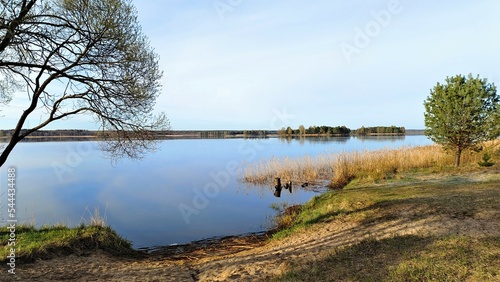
[462, 113]
[486, 160]
[328, 130]
[381, 130]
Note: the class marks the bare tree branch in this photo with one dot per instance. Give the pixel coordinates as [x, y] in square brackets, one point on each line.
[97, 49]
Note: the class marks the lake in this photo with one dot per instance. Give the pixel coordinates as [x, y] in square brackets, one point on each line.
[187, 190]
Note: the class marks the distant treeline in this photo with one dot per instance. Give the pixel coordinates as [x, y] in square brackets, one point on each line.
[340, 131]
[314, 130]
[62, 133]
[74, 133]
[283, 132]
[52, 133]
[380, 130]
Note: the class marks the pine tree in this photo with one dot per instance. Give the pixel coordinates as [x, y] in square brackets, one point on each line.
[462, 113]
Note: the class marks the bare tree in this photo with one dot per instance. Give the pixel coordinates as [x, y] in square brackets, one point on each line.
[81, 57]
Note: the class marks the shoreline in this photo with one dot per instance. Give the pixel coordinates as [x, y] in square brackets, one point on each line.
[210, 247]
[204, 242]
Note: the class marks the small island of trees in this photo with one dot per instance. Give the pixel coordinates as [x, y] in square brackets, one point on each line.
[381, 130]
[340, 131]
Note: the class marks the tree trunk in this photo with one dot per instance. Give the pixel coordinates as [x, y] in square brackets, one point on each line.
[8, 149]
[457, 157]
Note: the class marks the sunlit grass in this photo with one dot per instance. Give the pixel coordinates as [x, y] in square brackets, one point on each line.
[53, 240]
[50, 241]
[447, 255]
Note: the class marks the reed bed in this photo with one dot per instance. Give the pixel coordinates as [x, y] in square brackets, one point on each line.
[342, 167]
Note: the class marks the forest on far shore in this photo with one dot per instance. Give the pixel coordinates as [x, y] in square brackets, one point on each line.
[341, 131]
[283, 132]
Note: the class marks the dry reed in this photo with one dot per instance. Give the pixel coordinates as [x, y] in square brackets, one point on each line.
[95, 219]
[342, 167]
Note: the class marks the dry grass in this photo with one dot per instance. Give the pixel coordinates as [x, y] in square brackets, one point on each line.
[95, 219]
[285, 217]
[372, 165]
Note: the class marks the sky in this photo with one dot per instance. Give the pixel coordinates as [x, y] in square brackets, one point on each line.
[260, 64]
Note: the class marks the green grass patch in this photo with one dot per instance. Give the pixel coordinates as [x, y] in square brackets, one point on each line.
[51, 241]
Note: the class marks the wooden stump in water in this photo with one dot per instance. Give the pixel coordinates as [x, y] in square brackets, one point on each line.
[277, 183]
[277, 187]
[277, 193]
[288, 185]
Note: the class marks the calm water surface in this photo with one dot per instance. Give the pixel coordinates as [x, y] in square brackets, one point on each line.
[186, 191]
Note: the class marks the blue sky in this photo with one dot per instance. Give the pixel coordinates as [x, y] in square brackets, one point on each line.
[238, 64]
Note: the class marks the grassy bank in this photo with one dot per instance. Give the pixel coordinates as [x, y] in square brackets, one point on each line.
[341, 168]
[52, 241]
[422, 227]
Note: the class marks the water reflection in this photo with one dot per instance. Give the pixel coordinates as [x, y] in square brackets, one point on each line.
[381, 138]
[314, 139]
[268, 189]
